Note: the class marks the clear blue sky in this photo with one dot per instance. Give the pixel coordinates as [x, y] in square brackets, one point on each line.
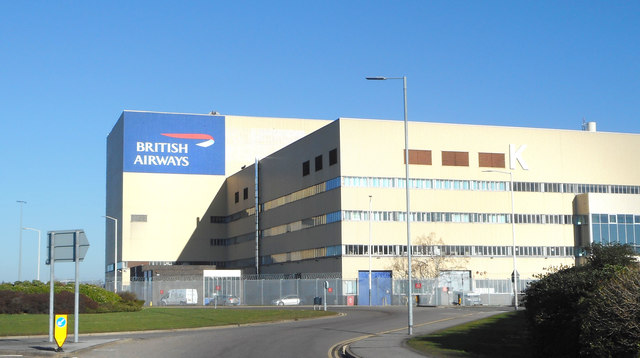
[69, 68]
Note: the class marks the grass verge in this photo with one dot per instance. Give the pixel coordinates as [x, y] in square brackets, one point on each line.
[151, 319]
[502, 335]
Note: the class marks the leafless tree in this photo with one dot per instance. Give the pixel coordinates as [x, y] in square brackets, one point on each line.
[428, 259]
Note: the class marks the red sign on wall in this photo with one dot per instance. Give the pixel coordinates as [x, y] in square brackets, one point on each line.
[418, 285]
[330, 289]
[217, 288]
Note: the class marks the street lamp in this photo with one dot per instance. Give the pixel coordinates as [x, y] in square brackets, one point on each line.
[370, 250]
[513, 235]
[115, 253]
[406, 160]
[38, 231]
[21, 202]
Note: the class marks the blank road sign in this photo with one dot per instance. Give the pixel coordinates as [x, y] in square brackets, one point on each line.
[65, 245]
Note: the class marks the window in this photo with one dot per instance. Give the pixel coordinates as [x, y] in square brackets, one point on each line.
[457, 159]
[419, 157]
[245, 194]
[319, 162]
[237, 197]
[305, 168]
[333, 156]
[219, 220]
[139, 218]
[218, 242]
[491, 160]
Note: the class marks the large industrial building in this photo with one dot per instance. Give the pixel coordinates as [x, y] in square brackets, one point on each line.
[299, 196]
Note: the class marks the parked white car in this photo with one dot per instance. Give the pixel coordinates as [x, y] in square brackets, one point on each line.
[290, 300]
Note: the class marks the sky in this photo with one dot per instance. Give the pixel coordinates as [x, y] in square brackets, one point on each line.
[69, 68]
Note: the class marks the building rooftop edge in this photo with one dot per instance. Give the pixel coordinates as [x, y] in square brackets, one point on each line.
[484, 125]
[385, 120]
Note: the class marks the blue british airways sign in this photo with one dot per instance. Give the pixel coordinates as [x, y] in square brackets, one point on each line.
[174, 143]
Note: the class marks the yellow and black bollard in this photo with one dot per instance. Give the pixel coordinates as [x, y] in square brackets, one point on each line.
[60, 330]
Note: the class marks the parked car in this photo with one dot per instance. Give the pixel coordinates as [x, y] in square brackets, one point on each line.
[290, 300]
[224, 300]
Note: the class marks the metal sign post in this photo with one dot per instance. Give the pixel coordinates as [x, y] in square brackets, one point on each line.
[326, 287]
[66, 246]
[52, 257]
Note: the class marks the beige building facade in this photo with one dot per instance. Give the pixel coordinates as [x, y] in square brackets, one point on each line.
[330, 196]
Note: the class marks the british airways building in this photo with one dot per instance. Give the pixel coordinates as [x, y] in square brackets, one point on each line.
[328, 195]
[164, 171]
[174, 143]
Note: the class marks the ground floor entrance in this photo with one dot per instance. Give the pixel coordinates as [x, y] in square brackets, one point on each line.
[381, 288]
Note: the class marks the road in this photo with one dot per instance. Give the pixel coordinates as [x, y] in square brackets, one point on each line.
[306, 338]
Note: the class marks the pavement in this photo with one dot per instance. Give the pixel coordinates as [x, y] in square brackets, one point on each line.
[39, 346]
[393, 343]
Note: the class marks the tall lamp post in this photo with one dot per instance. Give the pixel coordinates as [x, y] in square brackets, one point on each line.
[21, 202]
[115, 253]
[370, 250]
[513, 235]
[406, 160]
[38, 231]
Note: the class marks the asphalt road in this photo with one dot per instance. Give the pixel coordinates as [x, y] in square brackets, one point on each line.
[306, 338]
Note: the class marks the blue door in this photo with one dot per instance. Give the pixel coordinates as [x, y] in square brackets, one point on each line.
[380, 288]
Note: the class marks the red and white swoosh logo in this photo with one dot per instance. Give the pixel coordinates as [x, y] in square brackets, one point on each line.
[207, 143]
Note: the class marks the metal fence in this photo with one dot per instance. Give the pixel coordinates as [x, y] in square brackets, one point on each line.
[264, 292]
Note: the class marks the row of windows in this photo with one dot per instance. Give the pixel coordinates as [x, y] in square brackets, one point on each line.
[308, 254]
[318, 162]
[301, 194]
[233, 217]
[481, 185]
[301, 255]
[458, 250]
[233, 240]
[361, 215]
[283, 200]
[401, 250]
[616, 229]
[400, 216]
[437, 184]
[616, 218]
[302, 224]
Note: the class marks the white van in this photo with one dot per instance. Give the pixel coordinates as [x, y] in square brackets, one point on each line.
[182, 296]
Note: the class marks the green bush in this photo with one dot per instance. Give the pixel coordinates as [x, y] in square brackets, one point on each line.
[612, 324]
[99, 294]
[16, 302]
[561, 306]
[25, 286]
[33, 297]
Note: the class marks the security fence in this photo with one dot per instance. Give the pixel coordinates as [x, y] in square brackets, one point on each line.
[281, 290]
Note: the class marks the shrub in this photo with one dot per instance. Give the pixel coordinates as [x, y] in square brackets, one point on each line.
[99, 294]
[561, 307]
[65, 303]
[552, 305]
[33, 297]
[10, 302]
[35, 303]
[613, 330]
[15, 302]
